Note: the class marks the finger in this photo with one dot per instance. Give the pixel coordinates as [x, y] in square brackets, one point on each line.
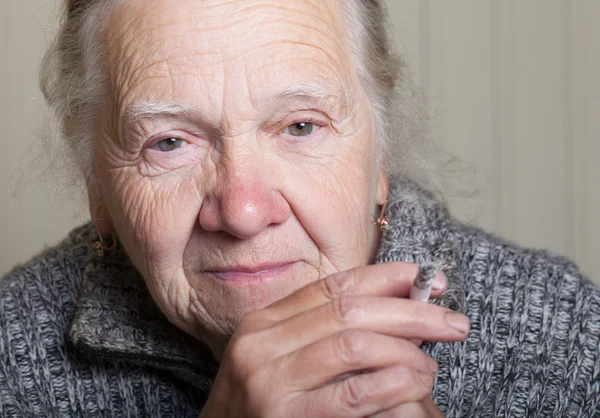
[369, 393]
[432, 408]
[349, 351]
[404, 318]
[389, 279]
[423, 409]
[408, 410]
[416, 342]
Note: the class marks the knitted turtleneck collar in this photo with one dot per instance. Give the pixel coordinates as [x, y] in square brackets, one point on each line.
[117, 319]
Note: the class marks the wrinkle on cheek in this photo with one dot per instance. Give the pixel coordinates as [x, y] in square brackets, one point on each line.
[139, 208]
[197, 313]
[119, 162]
[135, 210]
[177, 293]
[345, 185]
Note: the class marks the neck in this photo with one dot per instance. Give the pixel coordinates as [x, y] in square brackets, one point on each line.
[374, 245]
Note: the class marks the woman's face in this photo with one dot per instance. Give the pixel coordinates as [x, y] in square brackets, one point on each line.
[234, 153]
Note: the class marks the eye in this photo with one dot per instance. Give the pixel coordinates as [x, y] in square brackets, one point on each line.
[169, 144]
[301, 129]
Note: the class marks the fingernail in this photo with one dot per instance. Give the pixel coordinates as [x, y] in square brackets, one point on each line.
[416, 342]
[458, 321]
[439, 281]
[433, 367]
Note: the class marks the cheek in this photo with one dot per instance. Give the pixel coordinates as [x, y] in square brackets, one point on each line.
[333, 203]
[154, 217]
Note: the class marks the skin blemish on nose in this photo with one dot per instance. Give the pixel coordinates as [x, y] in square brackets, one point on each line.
[250, 209]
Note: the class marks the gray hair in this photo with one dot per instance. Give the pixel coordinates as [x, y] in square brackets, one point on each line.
[73, 82]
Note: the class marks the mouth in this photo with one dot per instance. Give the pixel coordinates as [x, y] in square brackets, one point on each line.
[251, 274]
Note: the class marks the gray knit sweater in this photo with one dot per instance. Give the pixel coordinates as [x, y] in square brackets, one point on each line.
[80, 336]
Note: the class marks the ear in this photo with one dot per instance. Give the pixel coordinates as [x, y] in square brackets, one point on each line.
[383, 186]
[99, 212]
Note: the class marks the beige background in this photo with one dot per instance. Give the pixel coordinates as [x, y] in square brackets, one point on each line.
[514, 85]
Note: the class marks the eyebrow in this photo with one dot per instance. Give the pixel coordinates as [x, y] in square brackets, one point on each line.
[311, 90]
[148, 109]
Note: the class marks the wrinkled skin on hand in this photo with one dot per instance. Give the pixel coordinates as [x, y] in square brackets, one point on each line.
[337, 348]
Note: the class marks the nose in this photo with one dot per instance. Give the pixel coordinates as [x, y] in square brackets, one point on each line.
[245, 201]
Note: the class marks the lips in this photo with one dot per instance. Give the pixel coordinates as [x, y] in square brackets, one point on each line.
[250, 274]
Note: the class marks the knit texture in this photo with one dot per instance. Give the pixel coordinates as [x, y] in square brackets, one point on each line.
[81, 336]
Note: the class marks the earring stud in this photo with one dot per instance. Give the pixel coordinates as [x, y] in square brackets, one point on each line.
[383, 222]
[101, 247]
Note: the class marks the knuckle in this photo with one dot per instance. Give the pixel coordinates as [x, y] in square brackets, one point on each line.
[420, 384]
[412, 354]
[350, 346]
[236, 347]
[352, 394]
[339, 283]
[412, 384]
[240, 353]
[346, 309]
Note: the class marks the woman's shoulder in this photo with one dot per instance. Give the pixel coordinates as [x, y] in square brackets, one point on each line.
[535, 325]
[485, 256]
[46, 285]
[43, 372]
[60, 265]
[37, 303]
[535, 285]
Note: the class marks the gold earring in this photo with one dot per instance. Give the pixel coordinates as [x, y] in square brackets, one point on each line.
[101, 247]
[383, 221]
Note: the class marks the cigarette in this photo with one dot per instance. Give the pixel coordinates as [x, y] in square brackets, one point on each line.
[421, 289]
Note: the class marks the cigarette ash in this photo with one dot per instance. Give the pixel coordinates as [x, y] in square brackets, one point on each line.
[426, 274]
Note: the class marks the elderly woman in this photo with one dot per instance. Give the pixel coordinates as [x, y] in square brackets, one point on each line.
[242, 260]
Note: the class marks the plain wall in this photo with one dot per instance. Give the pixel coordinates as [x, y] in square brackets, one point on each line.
[34, 211]
[513, 85]
[515, 88]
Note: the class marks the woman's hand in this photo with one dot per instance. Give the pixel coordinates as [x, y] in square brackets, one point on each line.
[337, 348]
[424, 409]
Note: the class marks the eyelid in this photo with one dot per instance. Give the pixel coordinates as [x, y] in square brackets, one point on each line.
[155, 139]
[318, 126]
[316, 122]
[299, 117]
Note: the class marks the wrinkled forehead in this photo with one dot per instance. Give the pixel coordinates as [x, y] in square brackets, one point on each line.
[189, 36]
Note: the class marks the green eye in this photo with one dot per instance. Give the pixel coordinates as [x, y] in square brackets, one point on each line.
[301, 129]
[169, 144]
